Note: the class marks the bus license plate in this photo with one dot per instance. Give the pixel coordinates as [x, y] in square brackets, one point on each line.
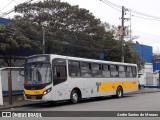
[33, 97]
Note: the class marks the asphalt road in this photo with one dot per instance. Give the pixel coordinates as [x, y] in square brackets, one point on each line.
[130, 102]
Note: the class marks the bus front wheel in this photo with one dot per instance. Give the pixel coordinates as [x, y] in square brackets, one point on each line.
[119, 92]
[74, 97]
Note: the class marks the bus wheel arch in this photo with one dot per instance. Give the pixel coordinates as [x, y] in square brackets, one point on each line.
[119, 92]
[75, 95]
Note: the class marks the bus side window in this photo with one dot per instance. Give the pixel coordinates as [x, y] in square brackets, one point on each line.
[74, 68]
[61, 71]
[122, 72]
[129, 71]
[85, 69]
[114, 71]
[134, 70]
[106, 71]
[96, 70]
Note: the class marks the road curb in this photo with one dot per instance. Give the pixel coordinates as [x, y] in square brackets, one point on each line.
[18, 106]
[143, 92]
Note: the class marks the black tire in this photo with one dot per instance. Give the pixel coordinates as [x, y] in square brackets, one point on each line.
[139, 87]
[51, 103]
[119, 92]
[74, 98]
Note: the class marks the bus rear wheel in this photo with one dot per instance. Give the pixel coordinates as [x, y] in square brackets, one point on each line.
[119, 92]
[74, 98]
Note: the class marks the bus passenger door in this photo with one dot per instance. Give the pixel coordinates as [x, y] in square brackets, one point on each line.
[60, 78]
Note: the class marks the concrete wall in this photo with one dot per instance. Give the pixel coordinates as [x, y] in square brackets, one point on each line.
[147, 77]
[17, 80]
[148, 67]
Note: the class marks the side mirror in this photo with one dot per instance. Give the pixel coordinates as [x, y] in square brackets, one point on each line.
[21, 70]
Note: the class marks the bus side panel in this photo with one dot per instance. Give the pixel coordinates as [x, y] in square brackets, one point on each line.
[108, 86]
[100, 87]
[81, 83]
[93, 87]
[62, 91]
[112, 86]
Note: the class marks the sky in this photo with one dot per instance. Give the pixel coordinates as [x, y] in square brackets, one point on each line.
[148, 29]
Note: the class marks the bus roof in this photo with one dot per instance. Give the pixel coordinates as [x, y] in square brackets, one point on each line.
[82, 59]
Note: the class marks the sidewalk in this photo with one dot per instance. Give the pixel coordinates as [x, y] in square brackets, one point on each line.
[18, 101]
[147, 90]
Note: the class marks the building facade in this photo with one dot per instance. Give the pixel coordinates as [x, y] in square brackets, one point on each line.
[148, 76]
[145, 52]
[4, 21]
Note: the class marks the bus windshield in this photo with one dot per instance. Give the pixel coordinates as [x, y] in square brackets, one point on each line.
[37, 73]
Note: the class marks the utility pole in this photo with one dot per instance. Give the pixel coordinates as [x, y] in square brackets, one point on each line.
[10, 85]
[122, 35]
[43, 40]
[130, 26]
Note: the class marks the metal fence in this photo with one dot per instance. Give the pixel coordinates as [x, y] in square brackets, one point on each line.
[152, 81]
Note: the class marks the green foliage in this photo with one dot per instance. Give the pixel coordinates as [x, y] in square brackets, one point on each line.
[69, 30]
[13, 40]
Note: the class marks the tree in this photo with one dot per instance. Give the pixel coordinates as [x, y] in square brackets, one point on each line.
[13, 43]
[71, 30]
[66, 26]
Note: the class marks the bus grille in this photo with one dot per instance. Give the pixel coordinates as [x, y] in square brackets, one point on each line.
[33, 96]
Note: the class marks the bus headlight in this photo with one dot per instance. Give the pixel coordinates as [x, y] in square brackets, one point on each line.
[47, 91]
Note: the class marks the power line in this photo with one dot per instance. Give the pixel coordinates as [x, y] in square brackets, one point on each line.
[17, 1]
[147, 16]
[12, 10]
[144, 14]
[30, 1]
[6, 13]
[112, 6]
[136, 14]
[111, 3]
[6, 6]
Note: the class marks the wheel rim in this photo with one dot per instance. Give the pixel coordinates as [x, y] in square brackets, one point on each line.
[119, 93]
[75, 97]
